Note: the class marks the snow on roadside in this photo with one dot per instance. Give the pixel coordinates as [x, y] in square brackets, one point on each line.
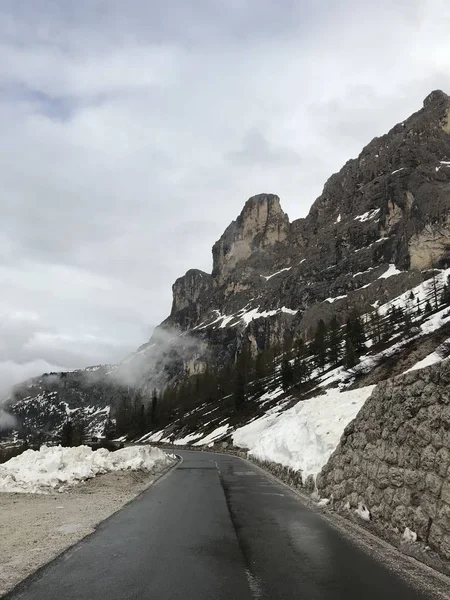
[303, 437]
[55, 468]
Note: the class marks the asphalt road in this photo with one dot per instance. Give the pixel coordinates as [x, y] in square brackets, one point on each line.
[215, 528]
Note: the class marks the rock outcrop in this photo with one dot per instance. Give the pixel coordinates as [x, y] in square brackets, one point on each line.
[261, 225]
[395, 457]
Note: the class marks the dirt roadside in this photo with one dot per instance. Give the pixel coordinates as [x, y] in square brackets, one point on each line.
[35, 528]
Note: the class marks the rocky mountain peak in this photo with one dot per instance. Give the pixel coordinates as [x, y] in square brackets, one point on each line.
[187, 291]
[436, 97]
[261, 224]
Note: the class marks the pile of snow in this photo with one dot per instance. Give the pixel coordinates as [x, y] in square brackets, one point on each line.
[303, 437]
[409, 535]
[363, 512]
[55, 468]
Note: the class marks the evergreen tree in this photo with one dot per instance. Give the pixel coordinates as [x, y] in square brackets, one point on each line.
[67, 434]
[377, 327]
[79, 434]
[396, 317]
[334, 342]
[407, 321]
[287, 374]
[110, 430]
[319, 345]
[240, 391]
[154, 408]
[350, 357]
[435, 294]
[123, 416]
[302, 370]
[354, 333]
[241, 377]
[428, 308]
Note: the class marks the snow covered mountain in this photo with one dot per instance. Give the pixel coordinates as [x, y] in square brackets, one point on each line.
[376, 240]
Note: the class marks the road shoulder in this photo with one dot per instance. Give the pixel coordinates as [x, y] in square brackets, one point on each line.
[36, 528]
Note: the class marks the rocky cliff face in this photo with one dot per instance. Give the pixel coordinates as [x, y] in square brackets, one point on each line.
[260, 228]
[272, 279]
[395, 457]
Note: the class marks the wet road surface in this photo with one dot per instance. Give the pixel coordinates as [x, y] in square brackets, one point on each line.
[216, 528]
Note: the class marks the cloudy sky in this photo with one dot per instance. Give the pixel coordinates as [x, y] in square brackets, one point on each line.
[133, 132]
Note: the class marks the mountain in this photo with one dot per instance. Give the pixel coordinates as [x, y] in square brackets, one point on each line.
[274, 279]
[379, 230]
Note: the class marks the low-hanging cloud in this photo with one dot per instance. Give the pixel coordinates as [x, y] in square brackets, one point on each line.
[12, 373]
[7, 421]
[162, 361]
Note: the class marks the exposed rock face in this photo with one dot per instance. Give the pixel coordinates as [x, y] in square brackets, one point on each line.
[395, 456]
[431, 245]
[190, 293]
[261, 224]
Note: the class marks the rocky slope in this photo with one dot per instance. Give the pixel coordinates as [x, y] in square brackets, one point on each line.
[375, 232]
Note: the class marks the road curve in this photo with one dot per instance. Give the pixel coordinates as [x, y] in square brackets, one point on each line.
[216, 528]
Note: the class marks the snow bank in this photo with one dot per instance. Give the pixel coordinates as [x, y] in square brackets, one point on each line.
[303, 437]
[55, 468]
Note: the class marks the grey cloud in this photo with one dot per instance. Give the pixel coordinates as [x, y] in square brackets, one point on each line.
[256, 151]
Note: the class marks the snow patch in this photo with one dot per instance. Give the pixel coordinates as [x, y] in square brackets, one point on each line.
[267, 277]
[220, 432]
[53, 469]
[331, 300]
[323, 502]
[338, 220]
[363, 512]
[390, 271]
[409, 535]
[370, 214]
[250, 315]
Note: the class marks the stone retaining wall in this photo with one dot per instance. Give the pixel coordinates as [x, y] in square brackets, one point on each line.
[394, 457]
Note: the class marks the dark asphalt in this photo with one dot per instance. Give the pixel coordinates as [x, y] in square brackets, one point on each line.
[215, 528]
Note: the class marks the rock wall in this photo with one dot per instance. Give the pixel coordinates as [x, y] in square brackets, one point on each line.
[395, 457]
